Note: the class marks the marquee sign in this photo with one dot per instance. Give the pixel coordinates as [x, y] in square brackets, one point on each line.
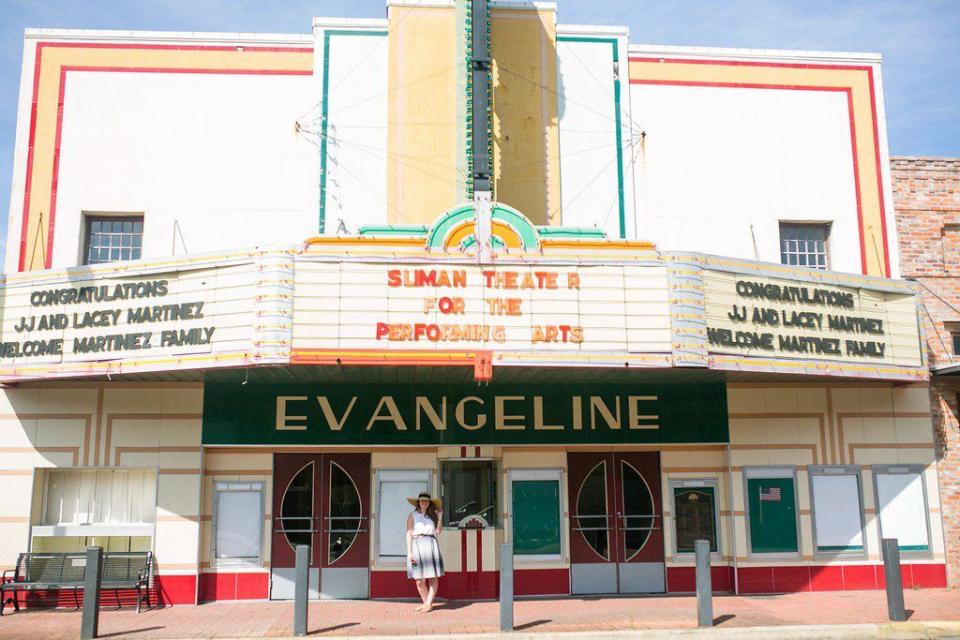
[506, 308]
[190, 313]
[417, 296]
[353, 414]
[755, 315]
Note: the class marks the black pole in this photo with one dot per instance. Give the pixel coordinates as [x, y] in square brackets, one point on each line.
[480, 101]
[301, 590]
[704, 584]
[92, 576]
[891, 571]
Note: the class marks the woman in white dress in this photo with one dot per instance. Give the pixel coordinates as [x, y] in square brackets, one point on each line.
[424, 562]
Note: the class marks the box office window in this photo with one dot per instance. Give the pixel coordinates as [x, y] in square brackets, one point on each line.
[238, 522]
[99, 497]
[535, 512]
[469, 491]
[837, 514]
[393, 489]
[902, 505]
[772, 511]
[694, 514]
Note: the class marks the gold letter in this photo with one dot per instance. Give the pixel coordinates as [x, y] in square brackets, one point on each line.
[635, 416]
[395, 417]
[577, 413]
[282, 416]
[481, 418]
[500, 420]
[332, 422]
[538, 417]
[423, 404]
[597, 403]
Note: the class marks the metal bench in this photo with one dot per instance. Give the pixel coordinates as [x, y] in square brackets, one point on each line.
[60, 571]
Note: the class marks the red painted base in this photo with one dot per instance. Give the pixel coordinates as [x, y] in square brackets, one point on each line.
[176, 589]
[234, 586]
[684, 579]
[454, 586]
[837, 578]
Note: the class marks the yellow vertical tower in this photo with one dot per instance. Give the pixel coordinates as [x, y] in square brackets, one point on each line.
[427, 132]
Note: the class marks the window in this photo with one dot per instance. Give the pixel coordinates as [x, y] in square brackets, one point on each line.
[469, 492]
[535, 509]
[237, 522]
[837, 514]
[86, 497]
[902, 505]
[112, 238]
[956, 343]
[393, 489]
[694, 513]
[804, 245]
[772, 510]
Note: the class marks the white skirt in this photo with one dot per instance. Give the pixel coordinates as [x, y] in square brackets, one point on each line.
[427, 559]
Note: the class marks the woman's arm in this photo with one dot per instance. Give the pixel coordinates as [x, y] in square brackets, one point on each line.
[439, 520]
[410, 537]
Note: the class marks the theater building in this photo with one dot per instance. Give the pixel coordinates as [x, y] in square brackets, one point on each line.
[604, 299]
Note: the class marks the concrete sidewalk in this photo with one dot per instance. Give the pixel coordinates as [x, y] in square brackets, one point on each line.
[934, 613]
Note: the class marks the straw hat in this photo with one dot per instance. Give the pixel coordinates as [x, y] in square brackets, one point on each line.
[437, 503]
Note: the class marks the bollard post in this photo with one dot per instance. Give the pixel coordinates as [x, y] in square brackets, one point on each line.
[92, 575]
[704, 584]
[301, 590]
[891, 571]
[506, 587]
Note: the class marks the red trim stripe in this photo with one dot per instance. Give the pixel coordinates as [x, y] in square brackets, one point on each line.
[750, 63]
[174, 47]
[463, 452]
[479, 550]
[463, 549]
[880, 191]
[476, 452]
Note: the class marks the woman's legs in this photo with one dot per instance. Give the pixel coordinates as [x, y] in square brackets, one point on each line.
[431, 593]
[422, 590]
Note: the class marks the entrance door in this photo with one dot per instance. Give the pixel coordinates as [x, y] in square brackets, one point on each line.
[321, 500]
[616, 537]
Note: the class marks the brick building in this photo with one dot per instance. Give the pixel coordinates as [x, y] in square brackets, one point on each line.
[927, 197]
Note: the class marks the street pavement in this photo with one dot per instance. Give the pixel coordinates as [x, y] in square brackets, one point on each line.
[933, 613]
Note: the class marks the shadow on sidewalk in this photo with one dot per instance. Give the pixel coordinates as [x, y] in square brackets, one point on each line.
[327, 629]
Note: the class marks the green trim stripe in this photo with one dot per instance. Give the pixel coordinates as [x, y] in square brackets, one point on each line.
[614, 42]
[327, 33]
[840, 547]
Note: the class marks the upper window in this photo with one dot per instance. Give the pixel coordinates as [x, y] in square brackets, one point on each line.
[469, 493]
[804, 245]
[112, 238]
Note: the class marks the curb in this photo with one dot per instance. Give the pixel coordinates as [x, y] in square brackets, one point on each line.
[886, 631]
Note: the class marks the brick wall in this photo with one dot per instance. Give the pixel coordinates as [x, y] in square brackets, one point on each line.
[926, 193]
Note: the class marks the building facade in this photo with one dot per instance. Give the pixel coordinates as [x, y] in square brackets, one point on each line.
[257, 300]
[927, 199]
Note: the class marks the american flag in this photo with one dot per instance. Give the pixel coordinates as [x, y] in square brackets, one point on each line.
[770, 494]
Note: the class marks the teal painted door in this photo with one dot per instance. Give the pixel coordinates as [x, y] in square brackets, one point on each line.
[536, 517]
[773, 518]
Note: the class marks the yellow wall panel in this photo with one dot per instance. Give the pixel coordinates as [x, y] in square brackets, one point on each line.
[422, 135]
[525, 155]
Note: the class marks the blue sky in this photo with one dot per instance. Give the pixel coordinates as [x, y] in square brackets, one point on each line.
[919, 41]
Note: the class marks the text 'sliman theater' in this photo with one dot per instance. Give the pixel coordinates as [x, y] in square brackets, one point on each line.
[604, 299]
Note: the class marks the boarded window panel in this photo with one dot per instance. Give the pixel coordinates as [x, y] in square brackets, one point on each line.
[695, 517]
[239, 520]
[536, 517]
[903, 514]
[836, 509]
[773, 520]
[392, 513]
